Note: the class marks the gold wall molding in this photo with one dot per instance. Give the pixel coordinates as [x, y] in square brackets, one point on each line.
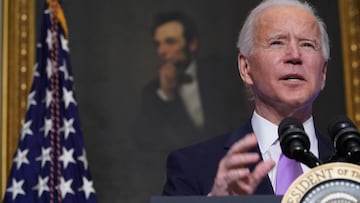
[350, 35]
[18, 56]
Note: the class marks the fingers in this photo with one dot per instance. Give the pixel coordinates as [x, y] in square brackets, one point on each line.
[233, 176]
[168, 72]
[240, 160]
[238, 155]
[168, 78]
[236, 174]
[248, 183]
[261, 170]
[248, 186]
[244, 145]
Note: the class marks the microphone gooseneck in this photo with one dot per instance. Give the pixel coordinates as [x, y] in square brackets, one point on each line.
[346, 138]
[295, 143]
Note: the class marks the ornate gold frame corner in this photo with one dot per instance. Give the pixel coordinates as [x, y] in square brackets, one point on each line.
[17, 60]
[350, 35]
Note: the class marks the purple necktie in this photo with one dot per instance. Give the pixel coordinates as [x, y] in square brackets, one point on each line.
[287, 171]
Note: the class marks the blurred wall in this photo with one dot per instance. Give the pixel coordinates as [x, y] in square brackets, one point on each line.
[113, 57]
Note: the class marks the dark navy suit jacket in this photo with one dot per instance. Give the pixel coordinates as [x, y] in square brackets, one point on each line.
[192, 170]
[168, 123]
[162, 126]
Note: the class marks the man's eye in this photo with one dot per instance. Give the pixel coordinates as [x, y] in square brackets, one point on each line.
[307, 44]
[276, 42]
[170, 41]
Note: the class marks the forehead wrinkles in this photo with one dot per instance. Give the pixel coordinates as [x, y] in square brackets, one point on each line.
[286, 20]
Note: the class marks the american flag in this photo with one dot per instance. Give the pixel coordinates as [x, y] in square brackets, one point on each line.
[50, 164]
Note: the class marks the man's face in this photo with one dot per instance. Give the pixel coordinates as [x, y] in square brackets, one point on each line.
[286, 69]
[171, 44]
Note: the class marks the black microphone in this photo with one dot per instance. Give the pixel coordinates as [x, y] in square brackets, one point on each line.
[295, 143]
[346, 138]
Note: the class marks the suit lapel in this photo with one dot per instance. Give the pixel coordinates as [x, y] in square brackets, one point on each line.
[326, 148]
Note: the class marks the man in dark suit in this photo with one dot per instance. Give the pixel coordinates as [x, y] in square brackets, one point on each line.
[190, 100]
[283, 56]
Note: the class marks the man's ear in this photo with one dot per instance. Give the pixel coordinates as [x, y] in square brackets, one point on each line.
[324, 71]
[193, 45]
[244, 69]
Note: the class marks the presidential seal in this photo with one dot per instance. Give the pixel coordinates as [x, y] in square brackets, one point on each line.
[329, 183]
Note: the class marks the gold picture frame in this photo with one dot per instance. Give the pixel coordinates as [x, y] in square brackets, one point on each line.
[18, 56]
[350, 36]
[17, 60]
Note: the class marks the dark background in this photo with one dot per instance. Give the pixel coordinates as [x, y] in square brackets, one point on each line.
[113, 57]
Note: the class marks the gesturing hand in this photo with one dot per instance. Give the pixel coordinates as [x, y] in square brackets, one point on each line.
[233, 177]
[168, 78]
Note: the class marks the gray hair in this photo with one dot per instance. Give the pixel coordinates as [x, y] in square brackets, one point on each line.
[246, 36]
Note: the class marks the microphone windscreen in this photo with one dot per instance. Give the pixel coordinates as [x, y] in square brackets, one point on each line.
[293, 139]
[339, 123]
[287, 123]
[295, 143]
[346, 138]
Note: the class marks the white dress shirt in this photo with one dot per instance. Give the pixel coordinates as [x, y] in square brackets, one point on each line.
[267, 136]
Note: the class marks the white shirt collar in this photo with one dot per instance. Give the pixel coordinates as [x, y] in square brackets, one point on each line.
[191, 69]
[267, 133]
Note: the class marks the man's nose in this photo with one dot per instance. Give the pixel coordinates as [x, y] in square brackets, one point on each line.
[293, 54]
[161, 50]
